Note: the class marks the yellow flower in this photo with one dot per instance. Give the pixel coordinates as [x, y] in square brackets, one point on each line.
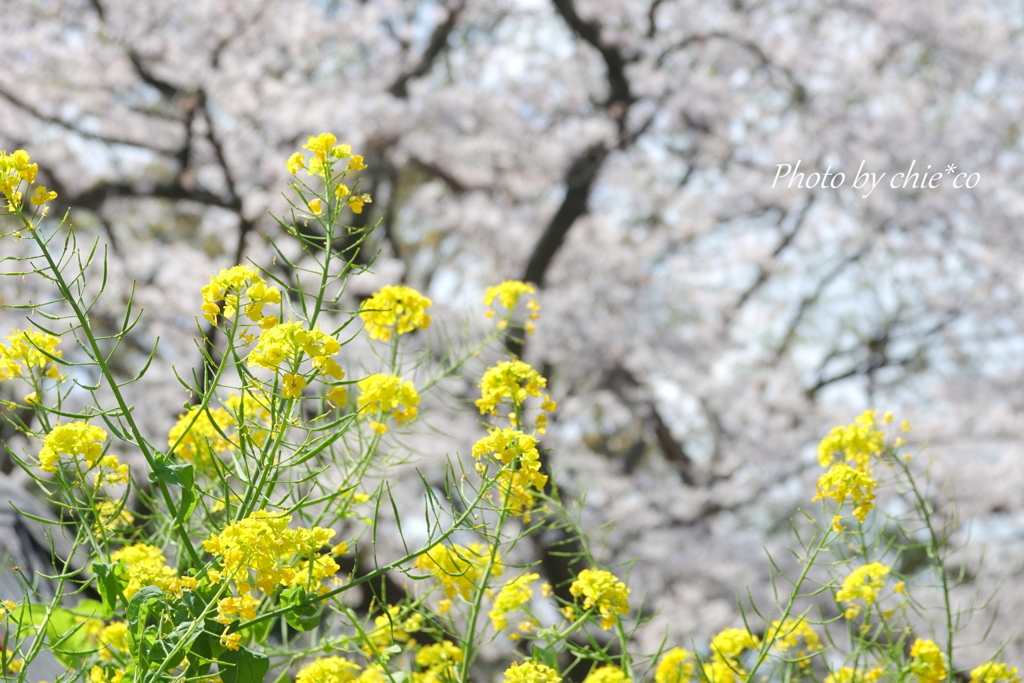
[12, 664]
[292, 385]
[356, 202]
[928, 662]
[531, 672]
[41, 196]
[392, 628]
[865, 583]
[395, 309]
[602, 590]
[730, 644]
[993, 672]
[508, 446]
[508, 293]
[328, 670]
[387, 394]
[203, 434]
[80, 439]
[459, 568]
[843, 482]
[320, 145]
[438, 661]
[146, 567]
[338, 395]
[676, 666]
[112, 640]
[356, 163]
[296, 162]
[112, 515]
[26, 349]
[289, 341]
[512, 380]
[231, 641]
[230, 286]
[514, 595]
[279, 556]
[851, 675]
[607, 674]
[316, 206]
[789, 633]
[855, 443]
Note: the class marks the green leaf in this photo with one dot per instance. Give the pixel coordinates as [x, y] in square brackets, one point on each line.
[545, 655]
[302, 616]
[244, 666]
[181, 476]
[108, 583]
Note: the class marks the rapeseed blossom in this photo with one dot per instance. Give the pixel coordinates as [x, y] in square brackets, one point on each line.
[391, 628]
[438, 662]
[203, 435]
[85, 441]
[230, 286]
[993, 672]
[112, 515]
[927, 662]
[607, 674]
[850, 675]
[395, 309]
[147, 567]
[27, 349]
[459, 568]
[531, 672]
[508, 294]
[111, 640]
[263, 544]
[865, 583]
[789, 633]
[509, 445]
[676, 666]
[388, 394]
[328, 670]
[602, 590]
[513, 381]
[855, 444]
[842, 483]
[514, 595]
[16, 168]
[289, 342]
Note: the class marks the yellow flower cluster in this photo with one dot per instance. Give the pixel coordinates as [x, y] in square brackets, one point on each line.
[110, 639]
[289, 341]
[863, 582]
[602, 590]
[531, 672]
[847, 451]
[726, 649]
[98, 674]
[16, 168]
[147, 567]
[230, 286]
[395, 309]
[80, 439]
[927, 662]
[112, 515]
[326, 155]
[676, 666]
[993, 672]
[391, 628]
[263, 543]
[513, 380]
[788, 634]
[855, 443]
[850, 675]
[438, 662]
[607, 674]
[459, 568]
[842, 483]
[27, 349]
[202, 433]
[510, 446]
[387, 394]
[328, 670]
[508, 294]
[514, 595]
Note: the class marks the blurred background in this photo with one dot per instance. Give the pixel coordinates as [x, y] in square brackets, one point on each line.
[703, 325]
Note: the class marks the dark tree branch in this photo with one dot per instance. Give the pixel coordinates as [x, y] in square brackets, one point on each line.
[438, 42]
[619, 91]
